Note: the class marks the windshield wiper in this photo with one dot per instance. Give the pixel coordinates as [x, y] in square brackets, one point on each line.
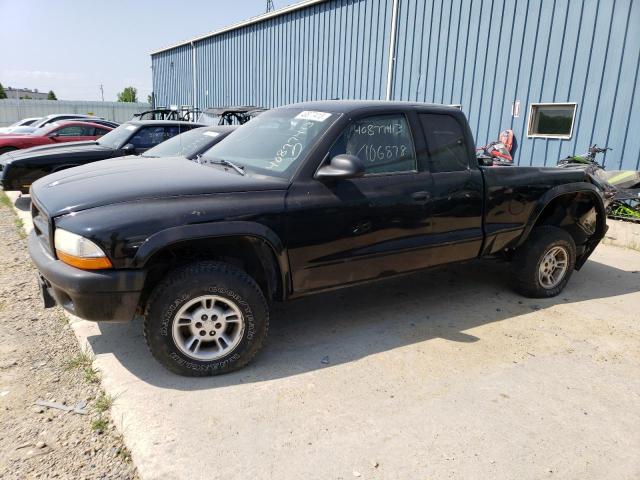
[227, 163]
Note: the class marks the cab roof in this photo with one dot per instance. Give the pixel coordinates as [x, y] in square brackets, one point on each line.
[162, 122]
[346, 106]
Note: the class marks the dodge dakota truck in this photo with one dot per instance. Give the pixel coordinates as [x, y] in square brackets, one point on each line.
[302, 199]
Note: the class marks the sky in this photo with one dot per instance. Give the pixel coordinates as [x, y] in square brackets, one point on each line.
[73, 46]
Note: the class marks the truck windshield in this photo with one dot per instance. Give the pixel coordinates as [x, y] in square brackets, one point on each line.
[185, 144]
[274, 142]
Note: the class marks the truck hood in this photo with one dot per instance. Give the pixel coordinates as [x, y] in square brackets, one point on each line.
[55, 150]
[127, 179]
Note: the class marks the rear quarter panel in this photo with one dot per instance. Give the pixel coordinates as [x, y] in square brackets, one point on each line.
[514, 196]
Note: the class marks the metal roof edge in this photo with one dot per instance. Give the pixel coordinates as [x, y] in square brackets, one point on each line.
[244, 23]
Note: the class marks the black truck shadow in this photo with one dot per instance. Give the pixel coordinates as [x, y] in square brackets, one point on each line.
[330, 329]
[23, 203]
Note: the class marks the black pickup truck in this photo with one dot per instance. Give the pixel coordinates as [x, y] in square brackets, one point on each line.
[304, 198]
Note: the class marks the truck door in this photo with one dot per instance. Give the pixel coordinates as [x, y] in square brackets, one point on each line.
[351, 230]
[457, 192]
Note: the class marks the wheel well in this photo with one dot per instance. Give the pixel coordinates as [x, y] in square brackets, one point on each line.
[577, 213]
[251, 254]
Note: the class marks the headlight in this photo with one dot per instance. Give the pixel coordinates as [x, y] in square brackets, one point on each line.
[79, 252]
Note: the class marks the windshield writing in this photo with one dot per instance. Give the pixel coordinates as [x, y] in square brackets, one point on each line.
[273, 143]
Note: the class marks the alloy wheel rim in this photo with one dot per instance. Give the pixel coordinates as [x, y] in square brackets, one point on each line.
[208, 327]
[553, 267]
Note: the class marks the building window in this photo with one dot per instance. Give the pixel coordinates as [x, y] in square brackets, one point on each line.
[552, 120]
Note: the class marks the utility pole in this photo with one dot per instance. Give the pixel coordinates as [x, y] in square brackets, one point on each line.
[102, 92]
[270, 6]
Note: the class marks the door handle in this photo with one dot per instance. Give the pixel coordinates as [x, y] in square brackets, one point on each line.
[363, 226]
[421, 197]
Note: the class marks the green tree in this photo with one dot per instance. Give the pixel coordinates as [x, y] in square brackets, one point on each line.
[51, 95]
[129, 94]
[3, 94]
[150, 99]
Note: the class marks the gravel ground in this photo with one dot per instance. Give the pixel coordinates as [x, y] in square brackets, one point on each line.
[40, 360]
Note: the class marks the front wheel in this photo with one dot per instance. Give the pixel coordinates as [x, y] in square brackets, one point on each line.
[543, 265]
[206, 318]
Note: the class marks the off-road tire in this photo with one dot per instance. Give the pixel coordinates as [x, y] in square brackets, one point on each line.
[526, 261]
[189, 282]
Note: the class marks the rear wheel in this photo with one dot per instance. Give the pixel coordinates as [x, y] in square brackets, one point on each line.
[543, 265]
[206, 318]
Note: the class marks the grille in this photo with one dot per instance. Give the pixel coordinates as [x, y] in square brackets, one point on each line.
[41, 225]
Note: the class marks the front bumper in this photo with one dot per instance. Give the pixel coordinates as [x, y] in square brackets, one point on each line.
[106, 295]
[10, 184]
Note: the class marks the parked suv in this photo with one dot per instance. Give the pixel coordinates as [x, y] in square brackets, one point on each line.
[299, 200]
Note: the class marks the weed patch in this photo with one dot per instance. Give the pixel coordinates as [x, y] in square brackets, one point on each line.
[103, 403]
[82, 359]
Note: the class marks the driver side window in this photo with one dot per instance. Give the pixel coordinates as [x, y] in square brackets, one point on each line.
[148, 137]
[382, 142]
[71, 131]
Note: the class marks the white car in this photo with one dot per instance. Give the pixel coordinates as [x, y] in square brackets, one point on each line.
[41, 122]
[25, 122]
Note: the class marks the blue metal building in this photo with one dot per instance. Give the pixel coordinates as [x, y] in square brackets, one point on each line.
[561, 73]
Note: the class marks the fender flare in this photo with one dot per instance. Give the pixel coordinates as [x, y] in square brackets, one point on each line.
[174, 235]
[558, 191]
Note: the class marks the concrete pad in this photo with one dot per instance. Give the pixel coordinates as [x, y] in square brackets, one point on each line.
[623, 234]
[443, 374]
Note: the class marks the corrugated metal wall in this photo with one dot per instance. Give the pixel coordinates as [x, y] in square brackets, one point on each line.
[483, 54]
[330, 50]
[334, 49]
[486, 54]
[173, 76]
[12, 110]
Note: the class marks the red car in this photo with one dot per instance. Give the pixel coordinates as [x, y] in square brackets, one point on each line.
[64, 131]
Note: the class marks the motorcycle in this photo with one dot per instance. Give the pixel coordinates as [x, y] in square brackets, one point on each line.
[588, 158]
[623, 185]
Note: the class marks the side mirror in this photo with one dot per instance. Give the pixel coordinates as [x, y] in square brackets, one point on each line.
[129, 149]
[54, 135]
[341, 167]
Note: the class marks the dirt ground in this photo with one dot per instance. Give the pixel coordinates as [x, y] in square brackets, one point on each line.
[40, 360]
